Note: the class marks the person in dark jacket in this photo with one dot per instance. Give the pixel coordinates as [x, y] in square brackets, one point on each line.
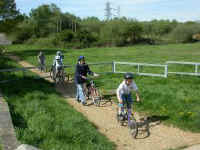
[82, 69]
[41, 61]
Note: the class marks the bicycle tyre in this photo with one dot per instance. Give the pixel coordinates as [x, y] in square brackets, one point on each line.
[99, 98]
[96, 97]
[133, 127]
[51, 73]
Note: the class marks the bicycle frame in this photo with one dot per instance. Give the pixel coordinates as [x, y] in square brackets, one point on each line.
[92, 91]
[59, 76]
[128, 116]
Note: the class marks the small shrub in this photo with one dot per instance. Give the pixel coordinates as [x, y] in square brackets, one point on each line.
[184, 32]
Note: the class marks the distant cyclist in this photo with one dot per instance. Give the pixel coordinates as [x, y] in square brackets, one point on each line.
[57, 63]
[82, 69]
[124, 94]
[41, 61]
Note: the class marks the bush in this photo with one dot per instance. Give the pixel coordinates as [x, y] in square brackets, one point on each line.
[2, 49]
[65, 36]
[50, 41]
[183, 33]
[23, 32]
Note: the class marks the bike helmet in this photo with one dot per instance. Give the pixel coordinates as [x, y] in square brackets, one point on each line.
[58, 53]
[128, 75]
[81, 58]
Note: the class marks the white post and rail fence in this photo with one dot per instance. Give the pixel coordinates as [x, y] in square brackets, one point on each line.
[114, 67]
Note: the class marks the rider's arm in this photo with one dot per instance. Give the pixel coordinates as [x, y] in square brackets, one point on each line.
[38, 57]
[119, 93]
[137, 96]
[135, 88]
[54, 62]
[89, 71]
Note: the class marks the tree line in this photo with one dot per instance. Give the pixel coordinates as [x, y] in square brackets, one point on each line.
[47, 25]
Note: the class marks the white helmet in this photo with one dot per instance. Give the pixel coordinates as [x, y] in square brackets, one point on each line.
[58, 53]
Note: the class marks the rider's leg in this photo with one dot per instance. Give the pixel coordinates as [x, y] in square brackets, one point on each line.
[121, 110]
[77, 92]
[80, 93]
[129, 103]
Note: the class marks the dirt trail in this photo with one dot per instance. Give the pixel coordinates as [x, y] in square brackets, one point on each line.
[161, 137]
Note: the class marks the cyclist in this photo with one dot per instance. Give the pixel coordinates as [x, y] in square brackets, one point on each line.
[57, 63]
[124, 94]
[41, 61]
[82, 69]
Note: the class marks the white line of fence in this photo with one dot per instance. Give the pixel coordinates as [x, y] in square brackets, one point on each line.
[195, 73]
[139, 65]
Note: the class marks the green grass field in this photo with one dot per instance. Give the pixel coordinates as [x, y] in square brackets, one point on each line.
[43, 118]
[175, 99]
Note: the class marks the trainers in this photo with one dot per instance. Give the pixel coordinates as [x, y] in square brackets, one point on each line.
[78, 100]
[121, 117]
[84, 103]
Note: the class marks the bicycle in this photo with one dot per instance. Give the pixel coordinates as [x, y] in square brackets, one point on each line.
[90, 90]
[59, 78]
[136, 128]
[128, 118]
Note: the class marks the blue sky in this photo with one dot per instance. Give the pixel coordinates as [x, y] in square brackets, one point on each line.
[181, 10]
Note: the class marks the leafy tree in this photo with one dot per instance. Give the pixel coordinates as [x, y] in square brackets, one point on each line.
[24, 31]
[8, 9]
[185, 32]
[133, 31]
[70, 22]
[45, 19]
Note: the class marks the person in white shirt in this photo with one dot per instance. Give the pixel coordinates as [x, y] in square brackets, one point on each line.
[58, 63]
[124, 93]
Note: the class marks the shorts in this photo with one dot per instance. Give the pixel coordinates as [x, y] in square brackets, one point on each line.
[127, 100]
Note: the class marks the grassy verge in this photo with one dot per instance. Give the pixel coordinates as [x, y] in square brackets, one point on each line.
[42, 118]
[180, 148]
[174, 100]
[0, 145]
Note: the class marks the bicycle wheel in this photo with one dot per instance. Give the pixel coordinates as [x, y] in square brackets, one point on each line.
[51, 73]
[96, 96]
[120, 119]
[132, 124]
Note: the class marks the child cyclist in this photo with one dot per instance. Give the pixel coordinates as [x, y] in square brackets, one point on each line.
[124, 94]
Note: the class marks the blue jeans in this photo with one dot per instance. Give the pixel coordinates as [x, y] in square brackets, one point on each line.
[80, 93]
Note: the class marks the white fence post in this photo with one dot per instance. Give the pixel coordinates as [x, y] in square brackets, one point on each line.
[166, 71]
[196, 68]
[138, 68]
[196, 64]
[113, 67]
